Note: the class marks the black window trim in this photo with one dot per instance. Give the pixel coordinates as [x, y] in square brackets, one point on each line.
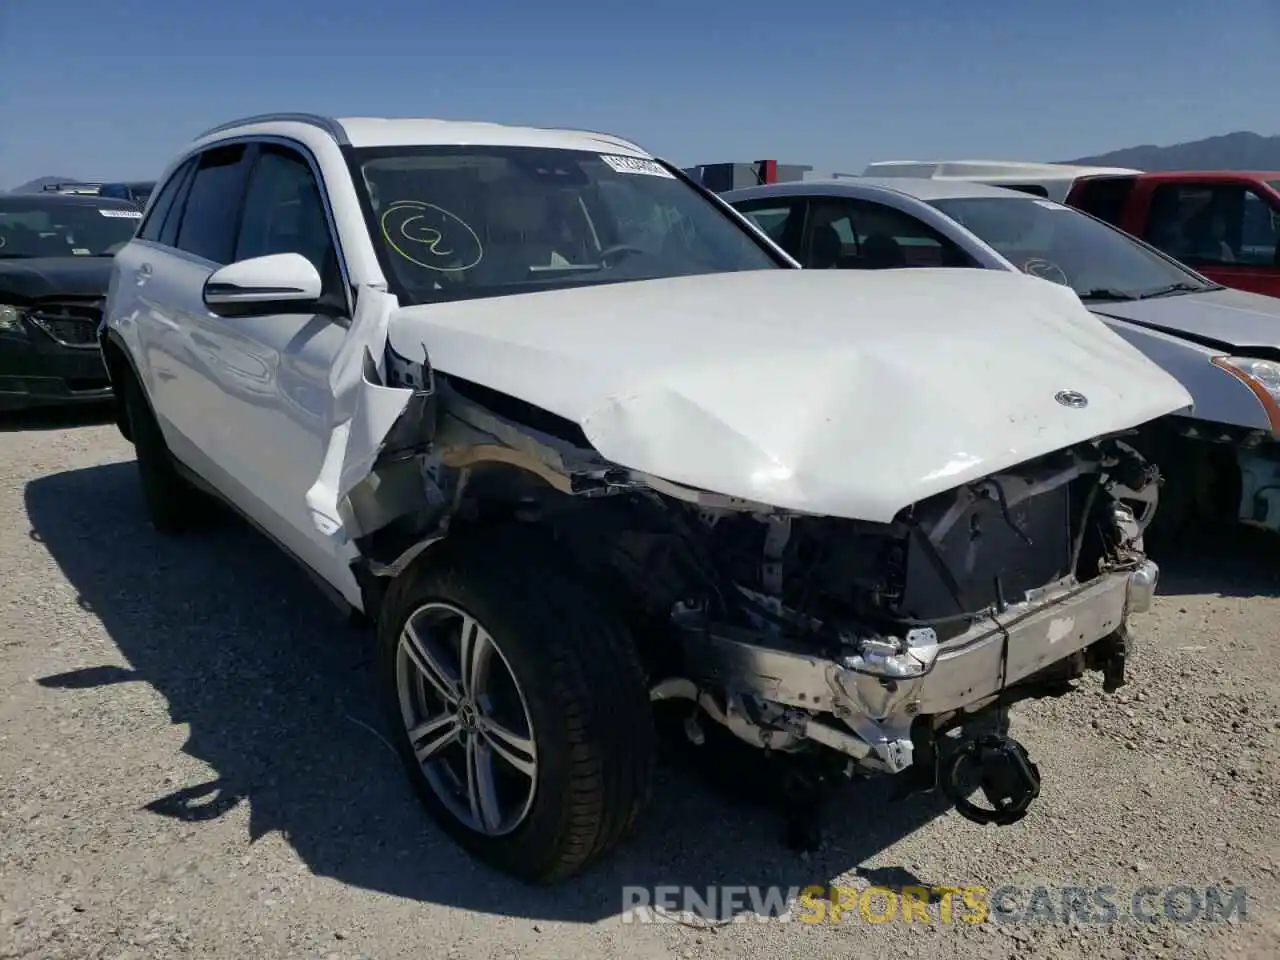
[177, 178]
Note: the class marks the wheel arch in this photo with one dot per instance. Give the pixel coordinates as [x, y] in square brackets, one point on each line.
[120, 365]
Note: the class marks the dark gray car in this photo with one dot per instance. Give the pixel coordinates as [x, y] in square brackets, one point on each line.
[1222, 458]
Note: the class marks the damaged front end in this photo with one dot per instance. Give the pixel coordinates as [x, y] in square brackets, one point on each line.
[892, 648]
[901, 646]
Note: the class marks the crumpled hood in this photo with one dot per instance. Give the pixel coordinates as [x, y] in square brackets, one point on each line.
[835, 392]
[1233, 317]
[54, 276]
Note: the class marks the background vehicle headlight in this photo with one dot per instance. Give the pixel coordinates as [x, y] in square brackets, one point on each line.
[1260, 376]
[11, 320]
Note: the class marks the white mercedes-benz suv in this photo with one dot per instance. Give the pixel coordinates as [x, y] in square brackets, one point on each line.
[585, 446]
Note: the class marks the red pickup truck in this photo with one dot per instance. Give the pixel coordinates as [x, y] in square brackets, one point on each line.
[1223, 224]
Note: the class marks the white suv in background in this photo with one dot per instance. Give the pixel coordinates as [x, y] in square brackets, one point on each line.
[578, 438]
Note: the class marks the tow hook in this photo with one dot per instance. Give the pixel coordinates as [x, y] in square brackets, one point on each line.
[1001, 767]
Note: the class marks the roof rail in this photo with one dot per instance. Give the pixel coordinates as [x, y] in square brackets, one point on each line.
[327, 124]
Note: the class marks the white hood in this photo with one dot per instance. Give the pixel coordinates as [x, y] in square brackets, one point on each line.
[842, 393]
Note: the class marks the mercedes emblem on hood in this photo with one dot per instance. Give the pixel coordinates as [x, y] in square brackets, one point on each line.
[1072, 399]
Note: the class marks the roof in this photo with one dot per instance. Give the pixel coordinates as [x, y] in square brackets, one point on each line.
[429, 131]
[918, 187]
[1242, 176]
[987, 169]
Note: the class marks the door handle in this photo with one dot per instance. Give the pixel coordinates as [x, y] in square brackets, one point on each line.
[142, 274]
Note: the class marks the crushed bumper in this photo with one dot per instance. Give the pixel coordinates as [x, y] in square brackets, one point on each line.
[962, 673]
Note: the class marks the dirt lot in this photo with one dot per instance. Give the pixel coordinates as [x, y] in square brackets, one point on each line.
[189, 767]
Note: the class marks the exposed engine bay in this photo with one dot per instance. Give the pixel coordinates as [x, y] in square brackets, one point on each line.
[838, 645]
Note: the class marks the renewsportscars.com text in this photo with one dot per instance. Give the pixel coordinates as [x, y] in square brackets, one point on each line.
[1178, 903]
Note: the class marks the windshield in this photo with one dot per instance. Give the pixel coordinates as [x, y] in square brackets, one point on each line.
[476, 221]
[1057, 243]
[63, 228]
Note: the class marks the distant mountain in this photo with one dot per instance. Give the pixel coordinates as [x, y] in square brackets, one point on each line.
[1231, 151]
[36, 185]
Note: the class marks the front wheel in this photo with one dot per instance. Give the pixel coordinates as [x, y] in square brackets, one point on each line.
[517, 704]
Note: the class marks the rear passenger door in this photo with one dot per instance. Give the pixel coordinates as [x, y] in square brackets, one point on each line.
[186, 373]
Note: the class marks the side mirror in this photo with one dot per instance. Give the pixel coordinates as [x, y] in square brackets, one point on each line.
[278, 283]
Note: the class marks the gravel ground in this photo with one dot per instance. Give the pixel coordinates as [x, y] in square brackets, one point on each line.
[189, 767]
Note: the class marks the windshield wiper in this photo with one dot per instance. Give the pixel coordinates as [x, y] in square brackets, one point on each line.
[1180, 287]
[1107, 293]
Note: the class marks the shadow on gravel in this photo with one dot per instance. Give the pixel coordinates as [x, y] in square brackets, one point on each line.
[1229, 562]
[276, 689]
[57, 418]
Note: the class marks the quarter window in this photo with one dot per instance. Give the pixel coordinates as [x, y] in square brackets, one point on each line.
[208, 221]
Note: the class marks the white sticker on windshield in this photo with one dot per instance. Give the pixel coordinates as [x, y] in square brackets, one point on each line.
[1049, 204]
[122, 214]
[641, 165]
[81, 251]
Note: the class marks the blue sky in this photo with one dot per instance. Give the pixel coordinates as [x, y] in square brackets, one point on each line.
[101, 89]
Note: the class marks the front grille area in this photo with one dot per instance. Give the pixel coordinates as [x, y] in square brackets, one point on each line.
[989, 560]
[72, 323]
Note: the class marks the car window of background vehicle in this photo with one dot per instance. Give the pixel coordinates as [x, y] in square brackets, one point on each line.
[772, 220]
[464, 222]
[1104, 197]
[1058, 243]
[863, 235]
[29, 229]
[1213, 224]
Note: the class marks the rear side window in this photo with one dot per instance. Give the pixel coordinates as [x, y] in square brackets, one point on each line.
[208, 223]
[1103, 197]
[151, 227]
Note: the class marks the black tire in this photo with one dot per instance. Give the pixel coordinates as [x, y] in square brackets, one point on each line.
[173, 506]
[585, 693]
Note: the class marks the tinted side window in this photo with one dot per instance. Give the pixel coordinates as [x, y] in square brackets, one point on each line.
[860, 235]
[209, 215]
[1259, 232]
[284, 212]
[151, 227]
[1200, 223]
[777, 218]
[1104, 197]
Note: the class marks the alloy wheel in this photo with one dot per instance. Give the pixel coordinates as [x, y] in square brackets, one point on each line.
[466, 718]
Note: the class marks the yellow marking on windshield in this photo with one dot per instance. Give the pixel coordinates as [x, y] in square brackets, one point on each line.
[430, 231]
